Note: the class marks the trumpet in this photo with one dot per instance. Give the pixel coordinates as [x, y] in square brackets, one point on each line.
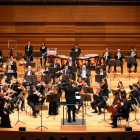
[105, 54]
[133, 54]
[119, 54]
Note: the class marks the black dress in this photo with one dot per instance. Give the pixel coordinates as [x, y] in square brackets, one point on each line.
[43, 52]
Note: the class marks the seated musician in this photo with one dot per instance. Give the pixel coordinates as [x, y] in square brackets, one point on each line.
[98, 99]
[134, 96]
[138, 83]
[124, 112]
[11, 62]
[118, 56]
[9, 96]
[18, 88]
[46, 72]
[102, 63]
[11, 81]
[53, 109]
[87, 64]
[9, 70]
[71, 63]
[83, 72]
[55, 64]
[121, 89]
[28, 72]
[28, 51]
[132, 53]
[77, 49]
[1, 62]
[104, 87]
[58, 85]
[43, 49]
[107, 56]
[4, 113]
[33, 99]
[102, 72]
[40, 87]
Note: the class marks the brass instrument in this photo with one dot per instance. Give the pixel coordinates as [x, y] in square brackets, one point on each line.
[119, 54]
[61, 71]
[105, 55]
[133, 54]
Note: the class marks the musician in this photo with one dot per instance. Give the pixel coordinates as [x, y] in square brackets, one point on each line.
[1, 62]
[122, 113]
[40, 87]
[43, 49]
[102, 63]
[132, 53]
[138, 83]
[28, 51]
[55, 64]
[53, 109]
[9, 70]
[134, 95]
[118, 56]
[65, 71]
[102, 72]
[77, 49]
[11, 62]
[28, 72]
[104, 87]
[98, 100]
[70, 99]
[11, 81]
[46, 72]
[121, 89]
[83, 72]
[87, 64]
[33, 99]
[107, 56]
[4, 113]
[18, 88]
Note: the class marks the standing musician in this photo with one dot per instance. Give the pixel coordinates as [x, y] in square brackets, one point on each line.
[98, 99]
[46, 72]
[11, 62]
[33, 99]
[1, 62]
[28, 51]
[53, 109]
[118, 56]
[134, 95]
[120, 110]
[43, 49]
[77, 49]
[107, 56]
[18, 88]
[132, 53]
[4, 113]
[40, 87]
[70, 99]
[87, 64]
[28, 72]
[84, 72]
[138, 83]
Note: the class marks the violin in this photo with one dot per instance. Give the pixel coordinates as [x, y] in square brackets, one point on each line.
[52, 91]
[103, 84]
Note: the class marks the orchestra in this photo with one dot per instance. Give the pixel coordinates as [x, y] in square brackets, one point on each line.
[38, 91]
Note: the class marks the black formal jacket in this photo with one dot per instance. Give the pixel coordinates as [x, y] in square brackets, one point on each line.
[116, 57]
[105, 89]
[129, 54]
[46, 72]
[30, 50]
[0, 52]
[7, 72]
[67, 72]
[109, 55]
[17, 90]
[87, 73]
[79, 50]
[73, 63]
[26, 73]
[135, 94]
[104, 73]
[39, 88]
[87, 66]
[32, 97]
[52, 65]
[101, 94]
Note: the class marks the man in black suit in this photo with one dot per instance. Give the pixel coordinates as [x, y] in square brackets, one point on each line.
[107, 56]
[118, 56]
[46, 72]
[11, 62]
[132, 53]
[102, 72]
[1, 62]
[77, 49]
[123, 113]
[28, 51]
[28, 72]
[55, 64]
[84, 72]
[9, 70]
[70, 99]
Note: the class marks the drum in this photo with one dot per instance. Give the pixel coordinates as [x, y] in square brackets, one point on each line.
[4, 67]
[64, 60]
[81, 60]
[51, 54]
[93, 58]
[21, 63]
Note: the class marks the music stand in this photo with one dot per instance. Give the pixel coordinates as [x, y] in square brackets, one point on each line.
[72, 68]
[1, 76]
[3, 60]
[88, 89]
[66, 77]
[87, 80]
[74, 54]
[38, 108]
[31, 78]
[98, 69]
[85, 97]
[9, 74]
[114, 63]
[129, 59]
[54, 70]
[32, 64]
[115, 92]
[46, 78]
[98, 78]
[37, 54]
[51, 98]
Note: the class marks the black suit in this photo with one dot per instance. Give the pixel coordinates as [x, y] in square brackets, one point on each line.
[109, 58]
[121, 61]
[57, 65]
[80, 72]
[0, 52]
[87, 65]
[79, 50]
[26, 73]
[130, 64]
[105, 89]
[46, 72]
[70, 99]
[13, 63]
[104, 73]
[5, 73]
[28, 53]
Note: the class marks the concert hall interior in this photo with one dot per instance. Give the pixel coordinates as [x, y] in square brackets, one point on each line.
[70, 69]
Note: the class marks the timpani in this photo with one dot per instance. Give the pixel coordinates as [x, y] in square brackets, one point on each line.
[81, 60]
[64, 59]
[93, 58]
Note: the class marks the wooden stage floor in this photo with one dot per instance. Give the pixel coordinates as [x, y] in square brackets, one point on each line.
[92, 124]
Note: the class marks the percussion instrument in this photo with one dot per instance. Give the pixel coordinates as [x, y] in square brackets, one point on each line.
[22, 63]
[81, 60]
[4, 67]
[51, 54]
[64, 59]
[93, 58]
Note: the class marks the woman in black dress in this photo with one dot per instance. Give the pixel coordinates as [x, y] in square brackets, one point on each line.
[43, 49]
[53, 105]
